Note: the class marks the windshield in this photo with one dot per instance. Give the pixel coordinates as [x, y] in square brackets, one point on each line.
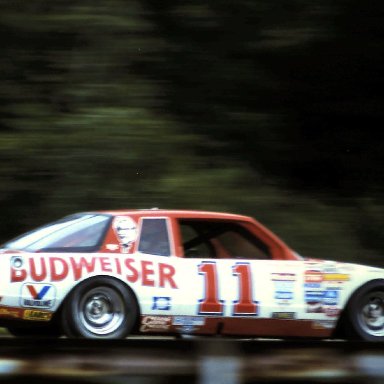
[75, 233]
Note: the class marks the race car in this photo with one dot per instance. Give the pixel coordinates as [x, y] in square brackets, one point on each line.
[111, 274]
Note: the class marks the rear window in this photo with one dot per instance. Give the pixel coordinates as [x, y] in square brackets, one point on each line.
[75, 233]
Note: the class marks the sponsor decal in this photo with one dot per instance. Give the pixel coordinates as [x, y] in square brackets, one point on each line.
[155, 323]
[126, 232]
[188, 320]
[55, 268]
[283, 295]
[33, 314]
[312, 286]
[161, 303]
[188, 324]
[336, 277]
[284, 287]
[331, 297]
[313, 300]
[313, 290]
[323, 324]
[314, 296]
[283, 276]
[284, 315]
[332, 311]
[38, 295]
[313, 276]
[10, 312]
[323, 302]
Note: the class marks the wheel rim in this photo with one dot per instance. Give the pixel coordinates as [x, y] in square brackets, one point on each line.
[371, 316]
[101, 310]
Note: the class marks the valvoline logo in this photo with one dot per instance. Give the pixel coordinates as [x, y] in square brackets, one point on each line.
[37, 295]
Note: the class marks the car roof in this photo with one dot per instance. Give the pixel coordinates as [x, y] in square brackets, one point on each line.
[187, 214]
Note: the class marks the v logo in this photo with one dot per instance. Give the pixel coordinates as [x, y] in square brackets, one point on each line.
[38, 295]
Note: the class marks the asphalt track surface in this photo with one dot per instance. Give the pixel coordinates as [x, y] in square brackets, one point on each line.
[184, 361]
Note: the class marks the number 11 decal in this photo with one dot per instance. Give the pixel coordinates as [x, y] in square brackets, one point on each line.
[212, 305]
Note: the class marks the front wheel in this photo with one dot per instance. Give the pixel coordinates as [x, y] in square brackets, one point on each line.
[99, 308]
[365, 313]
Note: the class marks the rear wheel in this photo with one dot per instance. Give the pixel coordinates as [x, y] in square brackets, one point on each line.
[99, 308]
[365, 313]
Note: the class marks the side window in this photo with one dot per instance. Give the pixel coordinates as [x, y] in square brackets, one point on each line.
[240, 245]
[221, 239]
[194, 245]
[154, 237]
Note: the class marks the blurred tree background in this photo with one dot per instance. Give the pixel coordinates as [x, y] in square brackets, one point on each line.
[270, 108]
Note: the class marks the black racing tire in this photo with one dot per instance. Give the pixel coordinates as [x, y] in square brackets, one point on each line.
[364, 318]
[99, 308]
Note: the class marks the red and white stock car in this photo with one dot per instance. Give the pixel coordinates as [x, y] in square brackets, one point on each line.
[114, 273]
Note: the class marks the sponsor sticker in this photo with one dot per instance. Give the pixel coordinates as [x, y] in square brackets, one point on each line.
[189, 320]
[313, 300]
[161, 303]
[10, 312]
[312, 285]
[284, 315]
[188, 324]
[336, 277]
[314, 296]
[38, 295]
[283, 277]
[155, 323]
[284, 295]
[33, 314]
[323, 324]
[325, 301]
[284, 287]
[313, 276]
[331, 311]
[331, 297]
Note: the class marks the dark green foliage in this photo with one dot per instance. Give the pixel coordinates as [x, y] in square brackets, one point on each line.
[269, 108]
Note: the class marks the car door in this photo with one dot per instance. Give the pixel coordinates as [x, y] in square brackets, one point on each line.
[230, 280]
